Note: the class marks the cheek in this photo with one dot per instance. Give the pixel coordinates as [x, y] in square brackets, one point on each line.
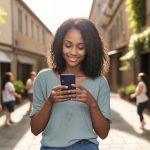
[83, 54]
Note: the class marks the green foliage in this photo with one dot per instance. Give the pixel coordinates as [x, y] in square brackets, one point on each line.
[19, 86]
[137, 10]
[138, 42]
[2, 14]
[130, 89]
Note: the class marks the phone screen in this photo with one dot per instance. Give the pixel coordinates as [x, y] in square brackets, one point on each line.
[67, 79]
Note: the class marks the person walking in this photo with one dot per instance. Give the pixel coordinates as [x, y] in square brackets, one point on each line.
[8, 96]
[29, 88]
[73, 119]
[141, 97]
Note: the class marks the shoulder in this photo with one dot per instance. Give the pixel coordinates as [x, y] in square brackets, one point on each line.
[99, 82]
[141, 84]
[44, 72]
[44, 75]
[9, 84]
[101, 79]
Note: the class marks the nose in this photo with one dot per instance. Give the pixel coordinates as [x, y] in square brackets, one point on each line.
[74, 51]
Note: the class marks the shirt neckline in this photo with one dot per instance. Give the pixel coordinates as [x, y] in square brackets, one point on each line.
[58, 79]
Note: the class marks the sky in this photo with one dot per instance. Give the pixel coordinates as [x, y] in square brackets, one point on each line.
[53, 12]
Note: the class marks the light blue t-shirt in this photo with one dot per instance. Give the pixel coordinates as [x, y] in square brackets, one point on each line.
[70, 121]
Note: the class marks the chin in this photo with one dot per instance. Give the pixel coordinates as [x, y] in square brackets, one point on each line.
[73, 64]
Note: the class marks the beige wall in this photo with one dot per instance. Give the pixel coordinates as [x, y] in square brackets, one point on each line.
[148, 12]
[27, 42]
[6, 29]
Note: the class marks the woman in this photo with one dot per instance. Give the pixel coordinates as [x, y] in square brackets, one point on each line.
[73, 118]
[141, 97]
[9, 94]
[29, 88]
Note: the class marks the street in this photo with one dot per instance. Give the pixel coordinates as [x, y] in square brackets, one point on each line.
[125, 133]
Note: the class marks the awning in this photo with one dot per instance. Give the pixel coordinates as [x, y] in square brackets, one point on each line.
[4, 58]
[26, 60]
[112, 52]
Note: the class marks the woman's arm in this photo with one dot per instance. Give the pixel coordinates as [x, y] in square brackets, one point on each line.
[100, 124]
[40, 120]
[138, 90]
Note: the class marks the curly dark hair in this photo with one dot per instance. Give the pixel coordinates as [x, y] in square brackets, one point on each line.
[96, 61]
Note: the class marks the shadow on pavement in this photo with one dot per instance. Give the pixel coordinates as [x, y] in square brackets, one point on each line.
[119, 123]
[11, 135]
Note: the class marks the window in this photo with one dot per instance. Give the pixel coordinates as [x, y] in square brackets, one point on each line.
[37, 27]
[121, 22]
[110, 4]
[43, 35]
[19, 20]
[118, 29]
[32, 29]
[26, 23]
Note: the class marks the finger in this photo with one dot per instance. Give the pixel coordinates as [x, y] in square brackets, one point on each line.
[78, 86]
[61, 100]
[60, 87]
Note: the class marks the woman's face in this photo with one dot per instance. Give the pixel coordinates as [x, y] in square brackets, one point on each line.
[139, 78]
[73, 48]
[11, 77]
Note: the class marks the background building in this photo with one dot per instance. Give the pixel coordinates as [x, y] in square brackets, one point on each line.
[112, 20]
[24, 40]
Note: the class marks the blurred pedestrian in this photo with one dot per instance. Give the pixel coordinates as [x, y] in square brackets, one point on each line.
[73, 119]
[141, 96]
[29, 88]
[8, 96]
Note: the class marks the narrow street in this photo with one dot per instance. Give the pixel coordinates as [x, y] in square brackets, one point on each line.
[125, 133]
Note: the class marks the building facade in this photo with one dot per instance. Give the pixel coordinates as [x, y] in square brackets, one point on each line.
[24, 40]
[112, 21]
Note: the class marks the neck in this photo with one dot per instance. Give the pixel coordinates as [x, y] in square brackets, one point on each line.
[77, 73]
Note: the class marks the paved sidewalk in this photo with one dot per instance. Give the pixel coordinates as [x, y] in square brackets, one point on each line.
[125, 133]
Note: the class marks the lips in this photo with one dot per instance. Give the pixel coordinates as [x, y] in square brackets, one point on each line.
[73, 59]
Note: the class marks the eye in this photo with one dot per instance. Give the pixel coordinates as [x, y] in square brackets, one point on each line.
[81, 46]
[67, 45]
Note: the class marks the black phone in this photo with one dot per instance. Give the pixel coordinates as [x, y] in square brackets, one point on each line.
[67, 79]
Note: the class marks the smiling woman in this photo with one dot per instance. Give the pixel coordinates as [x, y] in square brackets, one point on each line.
[73, 117]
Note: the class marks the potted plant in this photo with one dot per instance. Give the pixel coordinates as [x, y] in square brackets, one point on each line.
[20, 88]
[130, 89]
[121, 92]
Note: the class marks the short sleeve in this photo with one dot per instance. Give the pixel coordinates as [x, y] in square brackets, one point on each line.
[38, 94]
[104, 98]
[10, 87]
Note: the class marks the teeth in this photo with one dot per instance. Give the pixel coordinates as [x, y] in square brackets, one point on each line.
[73, 59]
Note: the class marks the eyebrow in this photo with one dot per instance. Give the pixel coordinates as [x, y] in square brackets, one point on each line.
[71, 42]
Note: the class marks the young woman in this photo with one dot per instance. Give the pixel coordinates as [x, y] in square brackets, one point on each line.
[73, 118]
[9, 94]
[29, 88]
[141, 97]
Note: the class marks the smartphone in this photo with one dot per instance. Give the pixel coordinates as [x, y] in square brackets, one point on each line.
[67, 79]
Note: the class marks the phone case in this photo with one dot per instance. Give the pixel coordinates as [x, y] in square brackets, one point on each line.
[67, 79]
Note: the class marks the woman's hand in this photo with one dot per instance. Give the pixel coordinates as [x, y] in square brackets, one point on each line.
[60, 93]
[132, 96]
[83, 95]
